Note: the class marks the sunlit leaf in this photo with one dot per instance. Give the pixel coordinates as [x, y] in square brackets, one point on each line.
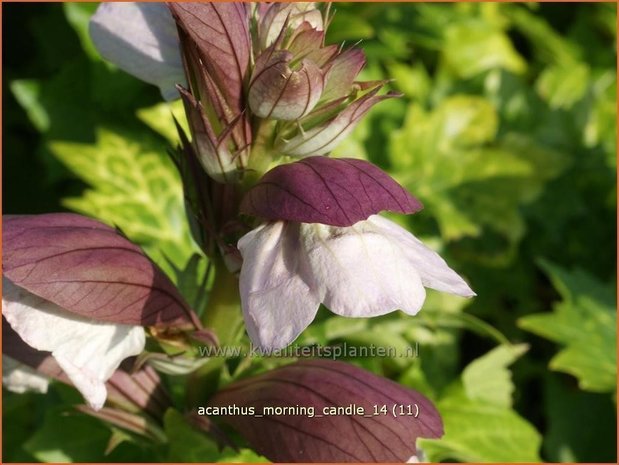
[481, 432]
[468, 178]
[487, 378]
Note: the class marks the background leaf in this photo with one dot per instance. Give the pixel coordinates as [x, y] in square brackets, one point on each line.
[585, 324]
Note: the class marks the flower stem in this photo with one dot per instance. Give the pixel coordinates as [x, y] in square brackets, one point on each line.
[223, 316]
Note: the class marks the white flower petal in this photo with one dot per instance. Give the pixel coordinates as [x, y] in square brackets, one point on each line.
[434, 271]
[141, 39]
[88, 351]
[20, 378]
[277, 303]
[361, 272]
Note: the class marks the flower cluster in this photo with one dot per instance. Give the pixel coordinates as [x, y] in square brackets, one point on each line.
[262, 90]
[266, 101]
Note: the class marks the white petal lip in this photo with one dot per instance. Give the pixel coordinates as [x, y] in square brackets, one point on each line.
[360, 272]
[88, 351]
[17, 377]
[277, 304]
[434, 271]
[369, 269]
[141, 39]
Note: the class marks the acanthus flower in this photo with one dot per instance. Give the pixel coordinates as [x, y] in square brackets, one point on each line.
[324, 243]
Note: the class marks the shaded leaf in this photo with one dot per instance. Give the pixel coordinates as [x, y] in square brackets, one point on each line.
[585, 324]
[341, 438]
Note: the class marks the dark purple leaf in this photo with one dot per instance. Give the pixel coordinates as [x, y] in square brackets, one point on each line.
[323, 384]
[333, 191]
[88, 268]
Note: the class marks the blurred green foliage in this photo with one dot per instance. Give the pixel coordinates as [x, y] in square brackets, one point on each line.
[506, 132]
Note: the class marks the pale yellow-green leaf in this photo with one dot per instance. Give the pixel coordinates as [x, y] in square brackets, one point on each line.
[476, 46]
[160, 119]
[479, 432]
[469, 178]
[487, 378]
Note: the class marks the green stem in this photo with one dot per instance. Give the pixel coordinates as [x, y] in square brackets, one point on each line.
[262, 152]
[222, 315]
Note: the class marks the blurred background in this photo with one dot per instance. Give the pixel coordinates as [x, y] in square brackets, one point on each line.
[506, 132]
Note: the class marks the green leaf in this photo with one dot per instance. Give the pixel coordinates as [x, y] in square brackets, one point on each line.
[67, 437]
[480, 425]
[242, 456]
[28, 93]
[563, 85]
[487, 378]
[475, 46]
[347, 26]
[192, 281]
[584, 323]
[479, 432]
[135, 187]
[601, 125]
[160, 119]
[78, 15]
[471, 180]
[567, 409]
[187, 444]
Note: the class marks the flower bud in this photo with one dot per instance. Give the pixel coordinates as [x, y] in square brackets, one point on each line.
[277, 15]
[319, 138]
[277, 91]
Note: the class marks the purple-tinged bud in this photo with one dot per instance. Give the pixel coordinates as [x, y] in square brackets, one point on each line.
[88, 268]
[280, 92]
[306, 403]
[138, 391]
[277, 15]
[213, 151]
[321, 138]
[332, 191]
[342, 74]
